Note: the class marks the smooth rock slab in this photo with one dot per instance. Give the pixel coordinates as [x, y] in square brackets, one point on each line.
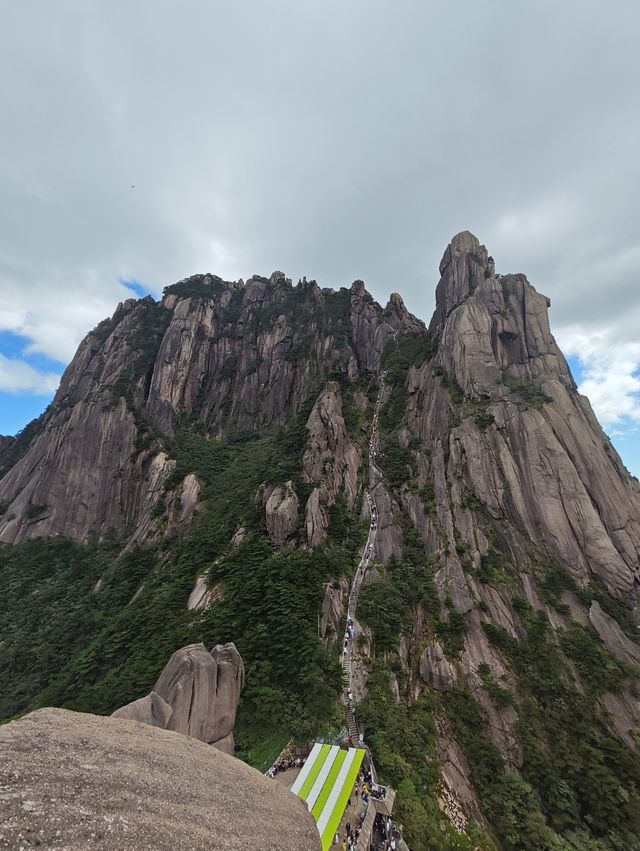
[77, 781]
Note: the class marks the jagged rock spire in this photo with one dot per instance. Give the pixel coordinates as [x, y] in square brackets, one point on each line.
[464, 265]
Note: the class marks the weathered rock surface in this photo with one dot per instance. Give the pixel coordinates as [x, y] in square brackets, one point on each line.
[151, 709]
[510, 474]
[334, 608]
[546, 465]
[203, 690]
[5, 444]
[203, 595]
[332, 459]
[435, 669]
[459, 799]
[233, 357]
[281, 506]
[196, 694]
[79, 781]
[618, 643]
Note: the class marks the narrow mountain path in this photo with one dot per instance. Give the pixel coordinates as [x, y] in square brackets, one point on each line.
[349, 649]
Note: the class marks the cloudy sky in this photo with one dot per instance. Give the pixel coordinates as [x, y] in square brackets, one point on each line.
[337, 140]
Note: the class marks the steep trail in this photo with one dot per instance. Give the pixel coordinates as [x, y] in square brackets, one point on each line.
[348, 654]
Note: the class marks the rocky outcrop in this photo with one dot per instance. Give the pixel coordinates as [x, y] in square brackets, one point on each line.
[203, 595]
[229, 357]
[331, 460]
[435, 669]
[334, 607]
[618, 643]
[498, 412]
[196, 694]
[511, 476]
[281, 506]
[494, 469]
[458, 798]
[77, 781]
[151, 709]
[203, 690]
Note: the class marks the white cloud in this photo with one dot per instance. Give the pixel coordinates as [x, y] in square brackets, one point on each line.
[546, 223]
[17, 376]
[55, 313]
[611, 373]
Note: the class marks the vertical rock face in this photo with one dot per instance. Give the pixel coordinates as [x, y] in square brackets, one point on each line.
[331, 459]
[524, 443]
[435, 669]
[232, 358]
[498, 488]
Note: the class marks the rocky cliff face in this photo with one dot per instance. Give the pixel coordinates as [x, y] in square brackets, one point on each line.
[507, 478]
[507, 558]
[528, 447]
[233, 358]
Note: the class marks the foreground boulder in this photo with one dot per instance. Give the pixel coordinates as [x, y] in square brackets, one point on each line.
[77, 781]
[197, 694]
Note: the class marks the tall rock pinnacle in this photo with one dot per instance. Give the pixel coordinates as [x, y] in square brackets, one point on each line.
[464, 266]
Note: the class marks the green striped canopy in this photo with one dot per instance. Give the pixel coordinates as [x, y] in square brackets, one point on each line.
[325, 784]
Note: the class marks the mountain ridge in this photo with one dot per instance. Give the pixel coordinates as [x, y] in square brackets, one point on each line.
[217, 445]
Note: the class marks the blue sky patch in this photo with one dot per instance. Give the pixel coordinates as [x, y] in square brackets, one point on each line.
[18, 409]
[138, 289]
[15, 346]
[576, 369]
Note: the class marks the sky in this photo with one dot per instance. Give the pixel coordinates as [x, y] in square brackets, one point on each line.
[145, 142]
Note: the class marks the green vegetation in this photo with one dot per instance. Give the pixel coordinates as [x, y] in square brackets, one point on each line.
[269, 607]
[402, 738]
[95, 649]
[502, 697]
[585, 780]
[510, 803]
[199, 286]
[529, 393]
[34, 510]
[455, 391]
[50, 611]
[398, 464]
[386, 606]
[347, 533]
[407, 351]
[470, 407]
[451, 632]
[557, 579]
[90, 627]
[398, 357]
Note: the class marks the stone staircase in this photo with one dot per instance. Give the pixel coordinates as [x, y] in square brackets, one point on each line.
[349, 650]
